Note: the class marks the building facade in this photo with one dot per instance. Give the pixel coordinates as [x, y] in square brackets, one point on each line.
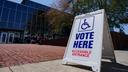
[19, 20]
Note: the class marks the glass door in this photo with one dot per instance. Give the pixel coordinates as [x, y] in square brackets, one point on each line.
[10, 37]
[3, 37]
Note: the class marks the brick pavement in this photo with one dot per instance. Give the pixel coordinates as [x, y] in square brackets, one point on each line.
[18, 54]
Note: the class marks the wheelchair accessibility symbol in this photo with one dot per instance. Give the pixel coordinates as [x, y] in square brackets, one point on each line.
[86, 24]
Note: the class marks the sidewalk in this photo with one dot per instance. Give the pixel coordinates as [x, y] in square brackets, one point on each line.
[56, 66]
[122, 57]
[49, 66]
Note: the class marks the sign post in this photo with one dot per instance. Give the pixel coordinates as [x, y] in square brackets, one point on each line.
[86, 40]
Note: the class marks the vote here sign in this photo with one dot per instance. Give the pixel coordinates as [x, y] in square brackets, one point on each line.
[85, 41]
[84, 38]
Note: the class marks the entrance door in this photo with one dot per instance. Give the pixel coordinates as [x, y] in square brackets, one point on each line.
[3, 37]
[10, 37]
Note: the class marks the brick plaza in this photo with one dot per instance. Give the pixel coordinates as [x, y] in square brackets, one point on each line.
[18, 54]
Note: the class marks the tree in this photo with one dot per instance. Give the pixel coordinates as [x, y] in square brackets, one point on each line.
[61, 5]
[37, 23]
[59, 21]
[115, 9]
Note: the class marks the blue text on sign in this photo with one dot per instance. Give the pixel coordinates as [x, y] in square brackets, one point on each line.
[84, 40]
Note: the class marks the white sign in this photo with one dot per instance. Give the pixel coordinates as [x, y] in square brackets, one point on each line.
[86, 40]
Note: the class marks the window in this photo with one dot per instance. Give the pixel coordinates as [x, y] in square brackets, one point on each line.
[29, 21]
[10, 25]
[32, 4]
[23, 20]
[22, 8]
[34, 18]
[3, 25]
[30, 10]
[17, 19]
[5, 13]
[35, 12]
[11, 16]
[0, 13]
[36, 5]
[11, 5]
[23, 27]
[1, 2]
[29, 17]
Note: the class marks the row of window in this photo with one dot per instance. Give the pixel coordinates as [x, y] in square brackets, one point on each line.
[10, 18]
[17, 16]
[5, 25]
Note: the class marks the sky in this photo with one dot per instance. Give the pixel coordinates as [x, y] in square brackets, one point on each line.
[44, 2]
[17, 1]
[125, 28]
